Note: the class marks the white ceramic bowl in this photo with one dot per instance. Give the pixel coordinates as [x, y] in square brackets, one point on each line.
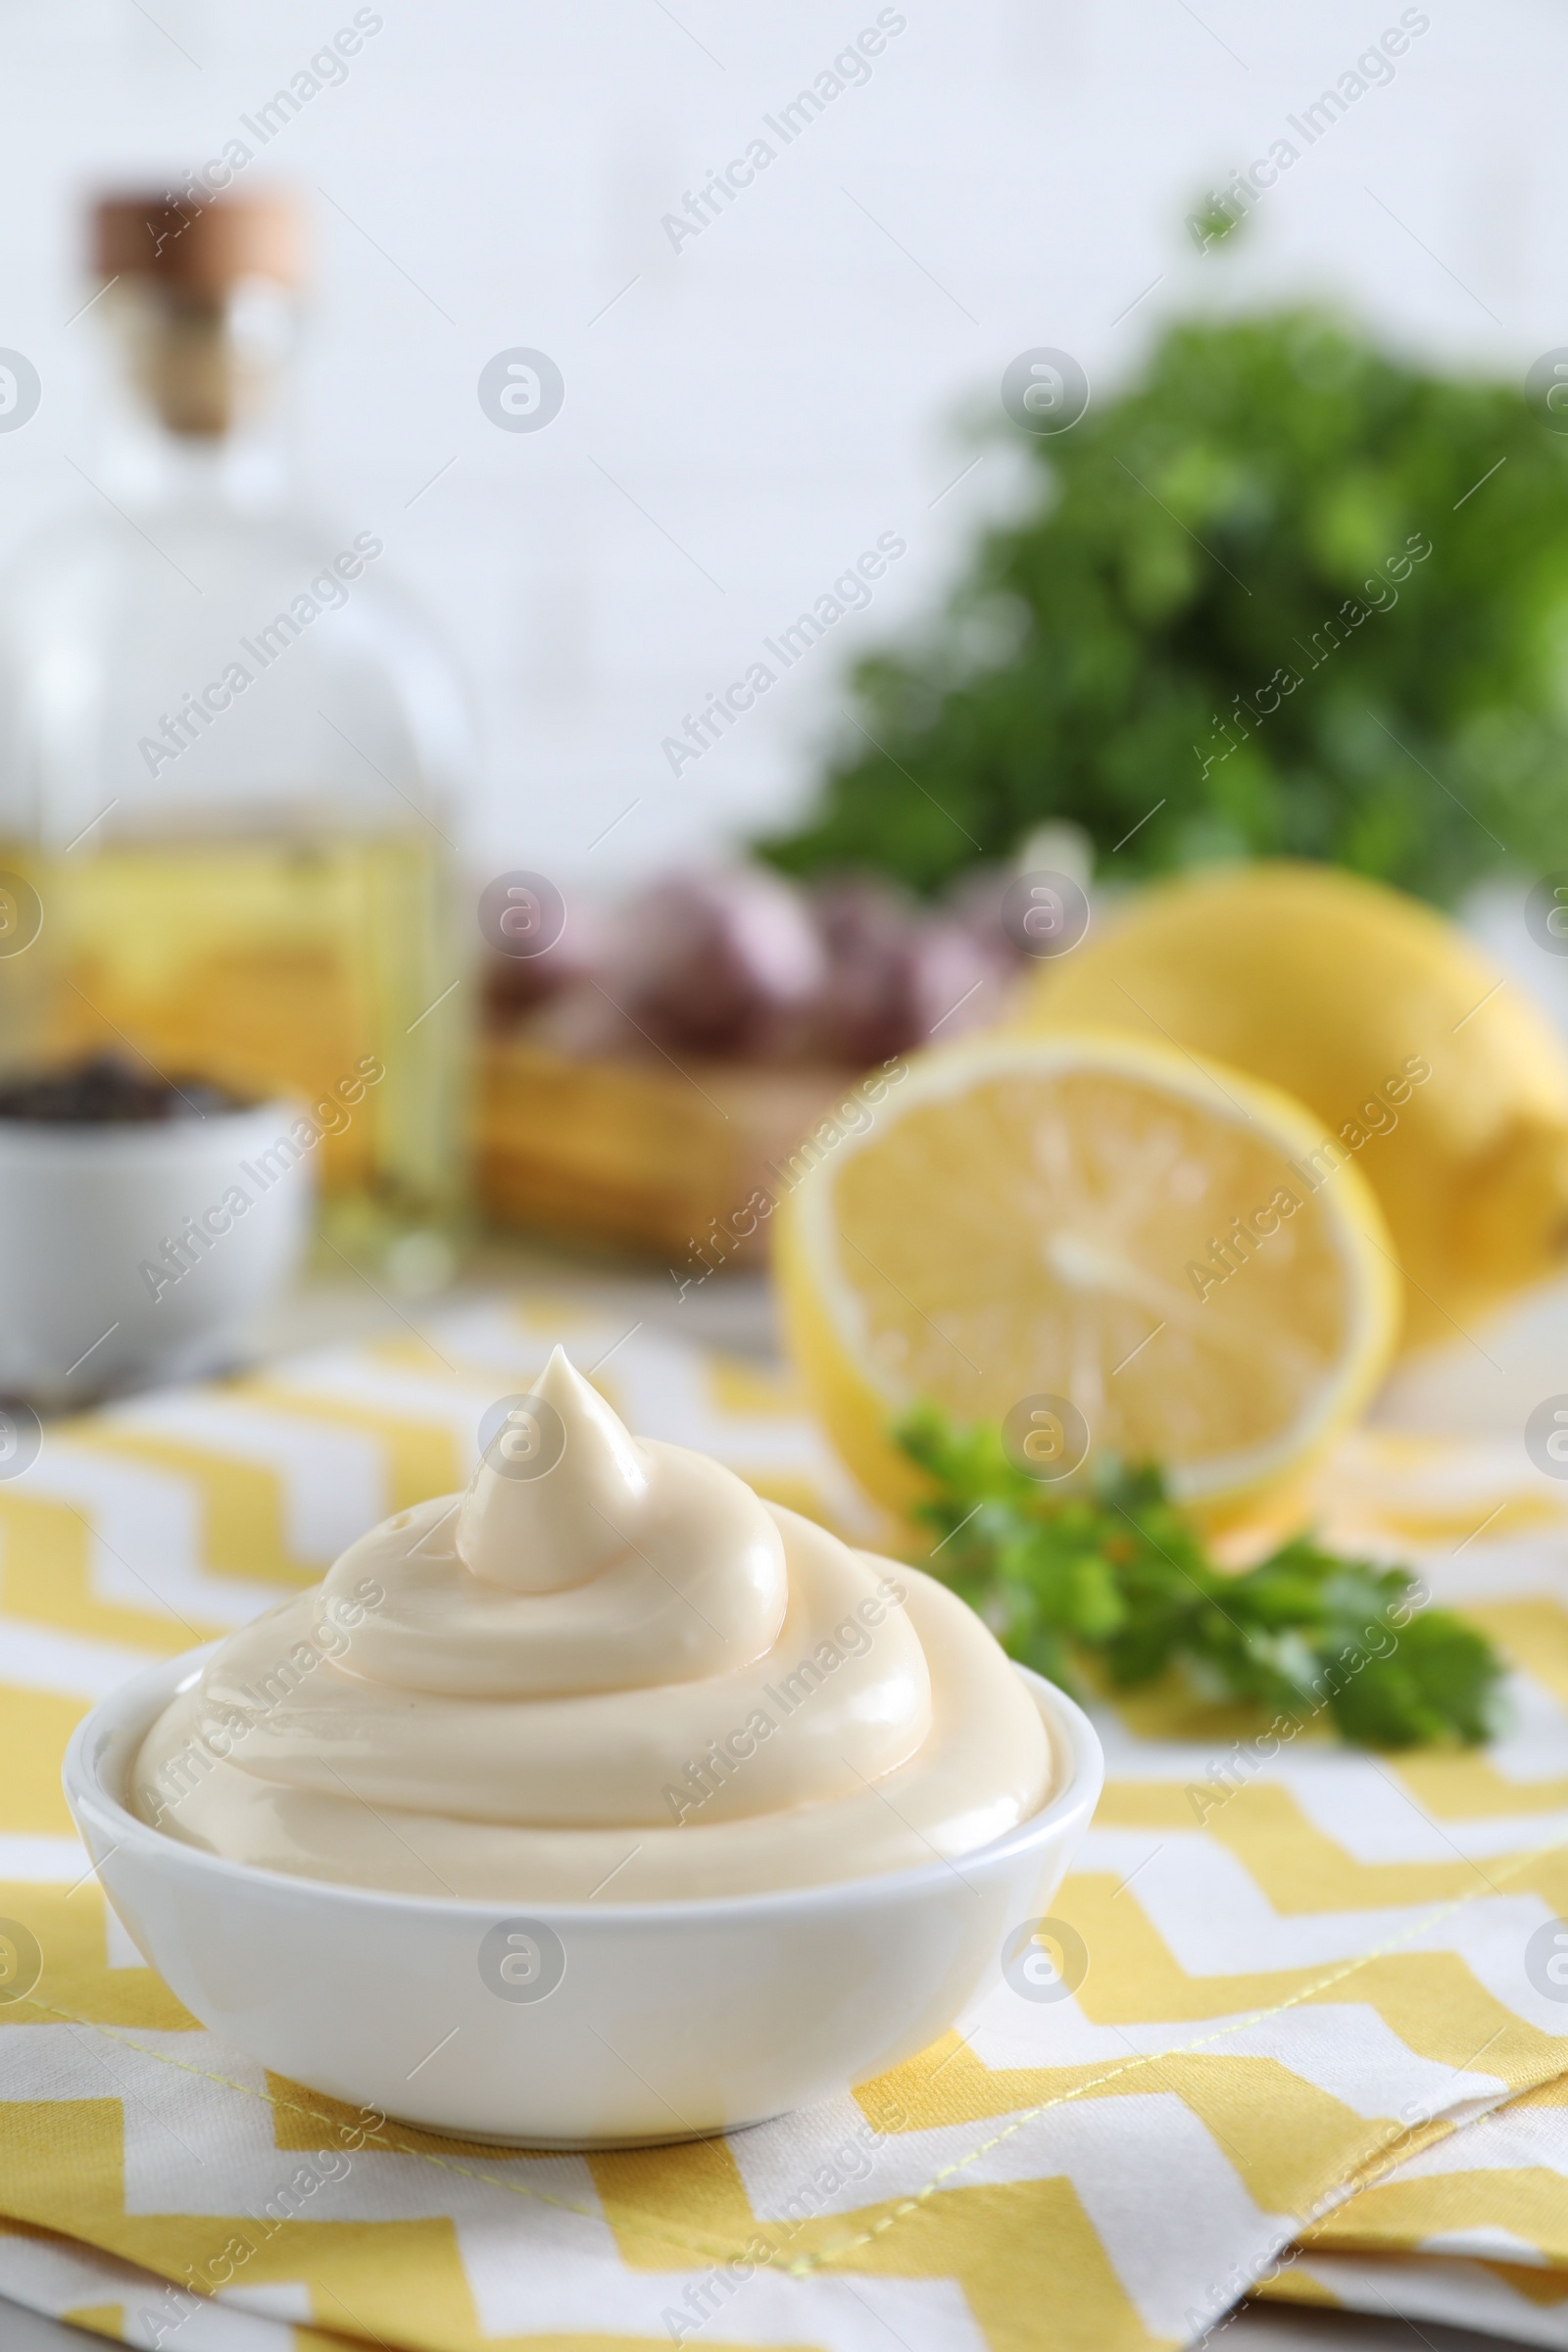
[85, 1211]
[583, 2025]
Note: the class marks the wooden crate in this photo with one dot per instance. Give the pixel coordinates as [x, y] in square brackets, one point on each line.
[641, 1152]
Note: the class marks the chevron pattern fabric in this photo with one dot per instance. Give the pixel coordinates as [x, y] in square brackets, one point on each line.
[1320, 2050]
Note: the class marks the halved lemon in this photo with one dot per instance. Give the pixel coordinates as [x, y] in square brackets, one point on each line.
[1086, 1235]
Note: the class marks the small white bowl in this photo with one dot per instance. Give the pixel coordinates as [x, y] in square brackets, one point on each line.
[581, 2025]
[93, 1305]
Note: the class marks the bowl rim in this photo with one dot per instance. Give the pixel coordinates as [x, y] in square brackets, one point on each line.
[34, 1136]
[134, 1704]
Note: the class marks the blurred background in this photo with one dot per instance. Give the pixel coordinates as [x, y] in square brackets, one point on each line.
[745, 414]
[719, 497]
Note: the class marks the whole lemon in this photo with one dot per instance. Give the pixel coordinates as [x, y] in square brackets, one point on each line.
[1427, 1068]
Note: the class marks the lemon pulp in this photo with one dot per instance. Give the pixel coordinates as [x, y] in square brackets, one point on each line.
[1144, 1237]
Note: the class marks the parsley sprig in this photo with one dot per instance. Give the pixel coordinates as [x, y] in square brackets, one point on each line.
[1115, 1572]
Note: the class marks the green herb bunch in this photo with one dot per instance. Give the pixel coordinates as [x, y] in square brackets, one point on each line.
[1214, 622]
[1115, 1572]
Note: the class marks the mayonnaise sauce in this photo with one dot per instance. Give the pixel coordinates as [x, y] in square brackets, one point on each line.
[608, 1669]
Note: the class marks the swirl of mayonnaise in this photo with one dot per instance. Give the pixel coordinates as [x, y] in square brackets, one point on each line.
[609, 1660]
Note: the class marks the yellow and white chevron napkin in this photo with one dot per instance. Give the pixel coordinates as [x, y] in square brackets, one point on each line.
[1320, 2046]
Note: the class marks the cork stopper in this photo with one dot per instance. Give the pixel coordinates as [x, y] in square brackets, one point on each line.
[175, 264]
[201, 250]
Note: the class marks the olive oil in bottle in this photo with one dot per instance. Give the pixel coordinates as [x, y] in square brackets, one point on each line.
[229, 748]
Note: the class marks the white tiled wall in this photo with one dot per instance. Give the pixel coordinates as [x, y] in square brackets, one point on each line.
[752, 410]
